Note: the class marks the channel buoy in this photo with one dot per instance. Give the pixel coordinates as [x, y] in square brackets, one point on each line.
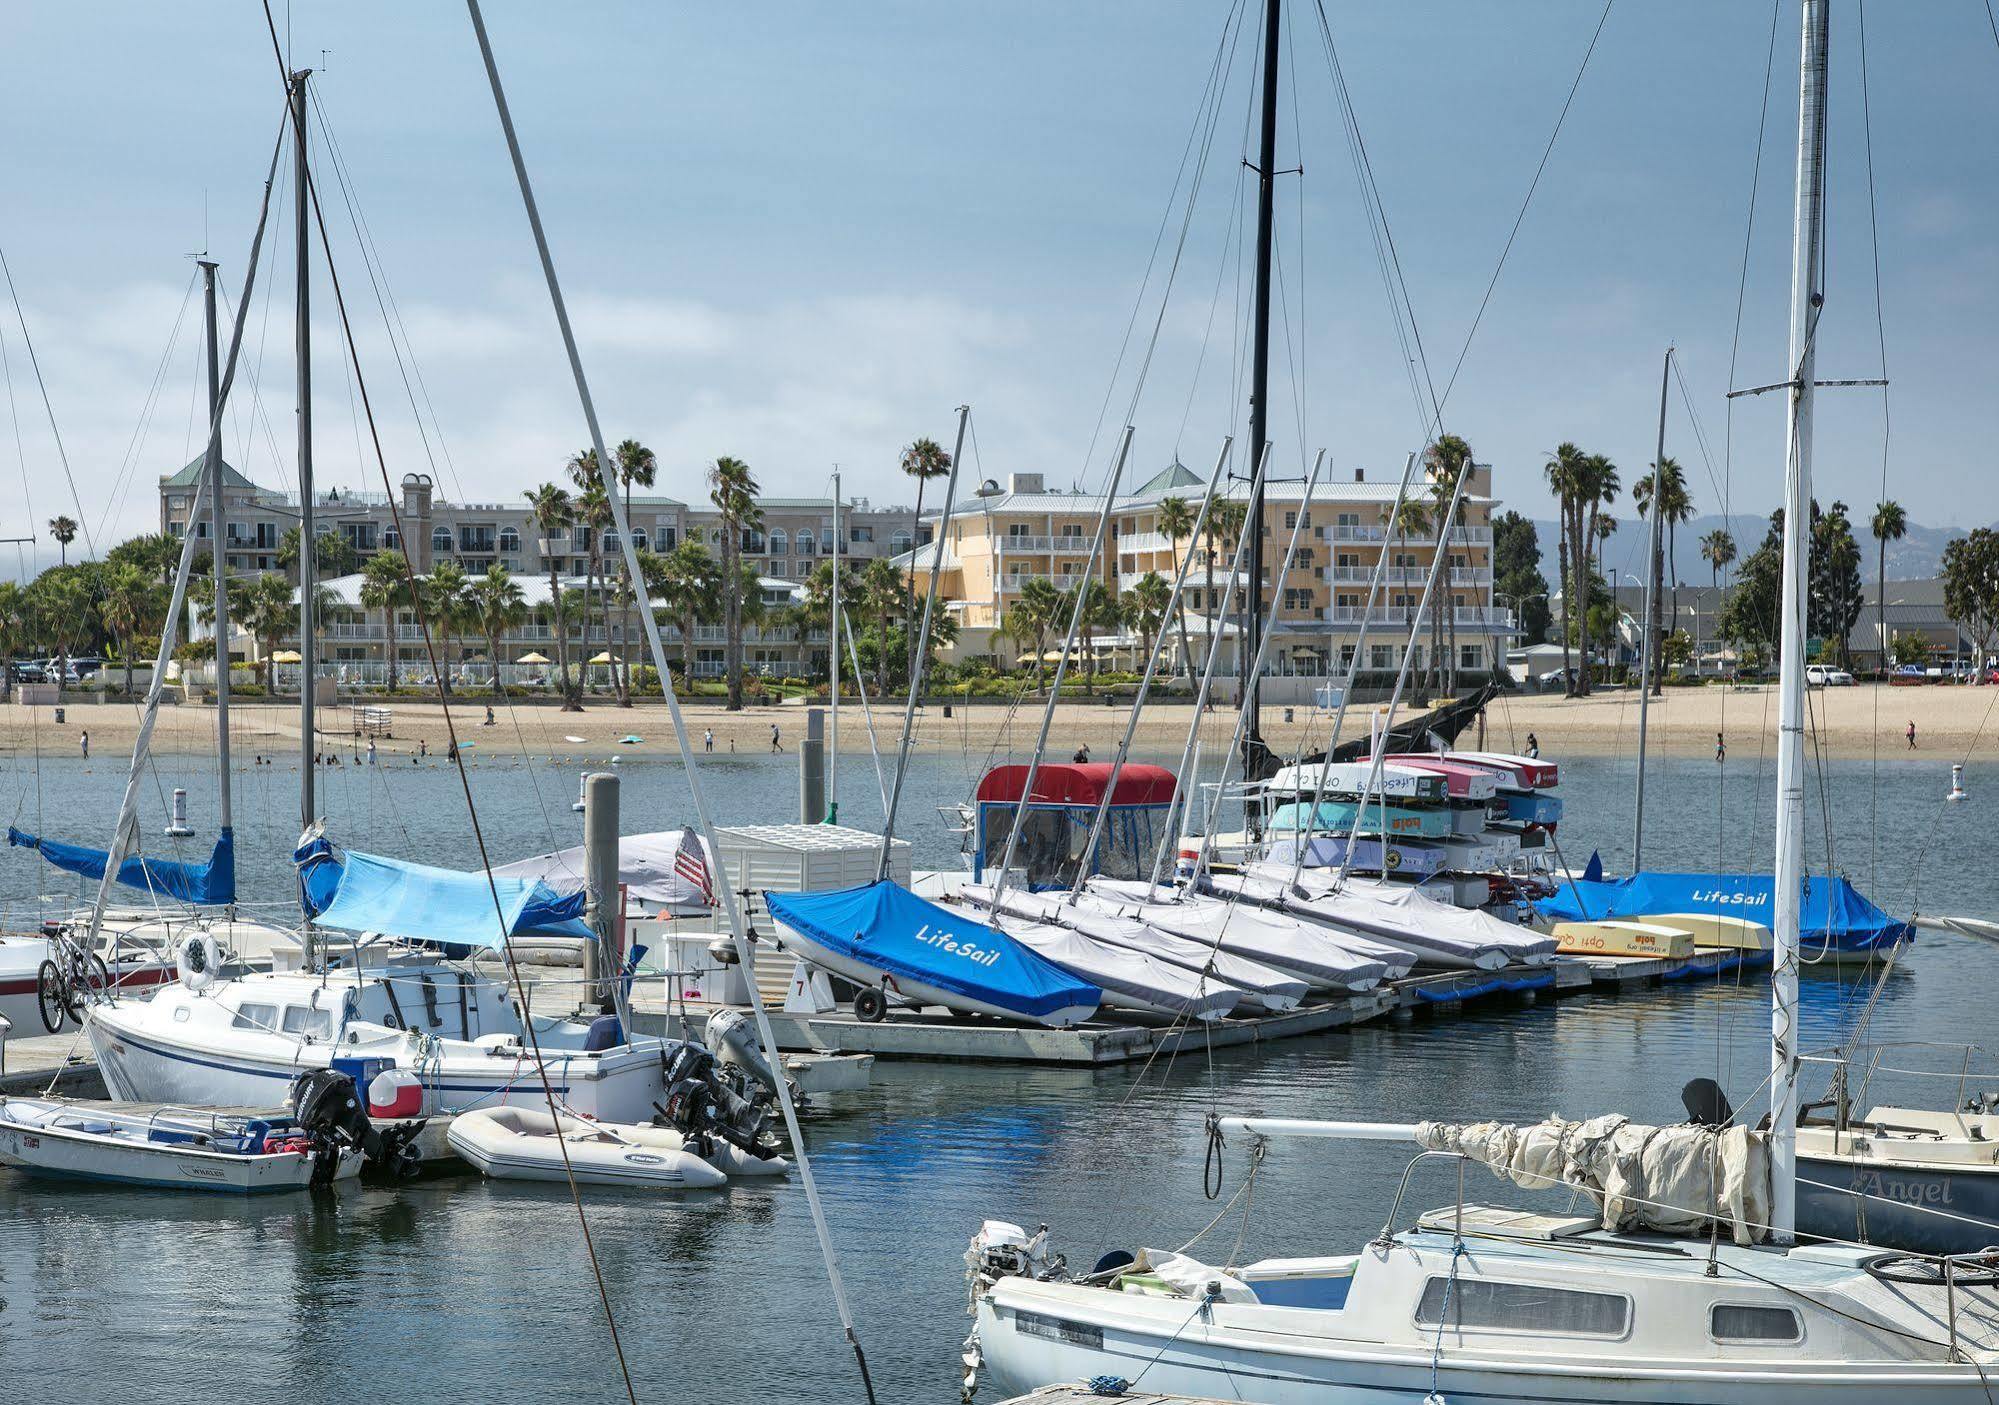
[178, 827]
[1956, 781]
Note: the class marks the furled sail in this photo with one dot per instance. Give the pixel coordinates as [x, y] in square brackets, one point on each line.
[367, 893]
[1672, 1179]
[210, 884]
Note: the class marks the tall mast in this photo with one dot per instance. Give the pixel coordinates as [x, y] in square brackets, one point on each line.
[212, 471]
[1259, 386]
[308, 562]
[1648, 656]
[833, 655]
[1807, 300]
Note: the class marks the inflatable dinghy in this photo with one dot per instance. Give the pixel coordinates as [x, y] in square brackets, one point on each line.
[520, 1144]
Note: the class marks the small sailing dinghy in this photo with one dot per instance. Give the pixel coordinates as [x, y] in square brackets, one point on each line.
[523, 1144]
[172, 1148]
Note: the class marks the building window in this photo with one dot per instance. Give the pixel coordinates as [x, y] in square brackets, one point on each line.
[440, 540]
[639, 539]
[392, 540]
[360, 535]
[899, 543]
[1468, 655]
[1072, 532]
[826, 540]
[1290, 520]
[1346, 655]
[780, 542]
[510, 541]
[667, 536]
[477, 540]
[806, 545]
[1016, 531]
[1297, 599]
[861, 534]
[753, 542]
[1381, 656]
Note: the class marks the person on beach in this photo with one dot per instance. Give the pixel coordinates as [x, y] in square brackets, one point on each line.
[1720, 748]
[775, 744]
[1912, 734]
[84, 742]
[1533, 747]
[489, 722]
[371, 751]
[708, 739]
[422, 747]
[1082, 756]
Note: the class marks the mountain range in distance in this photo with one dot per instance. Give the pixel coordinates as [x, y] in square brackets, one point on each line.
[1917, 556]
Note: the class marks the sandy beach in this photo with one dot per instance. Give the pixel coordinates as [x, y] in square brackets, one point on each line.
[1951, 724]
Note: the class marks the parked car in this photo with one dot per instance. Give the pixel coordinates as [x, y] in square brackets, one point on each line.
[1820, 675]
[1908, 675]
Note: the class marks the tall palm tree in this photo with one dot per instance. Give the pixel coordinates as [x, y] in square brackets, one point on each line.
[923, 460]
[1225, 523]
[494, 604]
[14, 629]
[1411, 519]
[553, 511]
[1176, 520]
[268, 611]
[593, 513]
[1033, 614]
[636, 465]
[1675, 507]
[446, 596]
[1596, 488]
[130, 602]
[384, 586]
[1566, 469]
[686, 584]
[1890, 524]
[1447, 460]
[1718, 550]
[63, 529]
[1145, 608]
[733, 489]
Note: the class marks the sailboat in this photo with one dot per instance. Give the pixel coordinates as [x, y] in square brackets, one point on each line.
[43, 980]
[401, 992]
[1674, 1274]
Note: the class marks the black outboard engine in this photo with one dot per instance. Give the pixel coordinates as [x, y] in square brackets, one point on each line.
[706, 1100]
[327, 1105]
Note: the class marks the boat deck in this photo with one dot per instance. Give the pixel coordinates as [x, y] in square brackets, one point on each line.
[1077, 1394]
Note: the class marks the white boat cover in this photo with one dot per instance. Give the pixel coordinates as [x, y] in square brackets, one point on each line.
[1129, 979]
[645, 867]
[1439, 932]
[1672, 1179]
[1328, 959]
[1263, 985]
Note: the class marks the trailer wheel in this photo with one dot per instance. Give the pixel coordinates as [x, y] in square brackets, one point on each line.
[869, 1005]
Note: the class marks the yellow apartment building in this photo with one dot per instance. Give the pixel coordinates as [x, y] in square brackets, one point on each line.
[1003, 537]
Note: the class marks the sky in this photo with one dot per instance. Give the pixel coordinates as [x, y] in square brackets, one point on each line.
[803, 234]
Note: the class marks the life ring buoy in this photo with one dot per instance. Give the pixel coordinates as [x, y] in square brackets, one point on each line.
[198, 959]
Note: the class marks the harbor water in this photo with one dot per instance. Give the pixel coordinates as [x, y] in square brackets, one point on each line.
[454, 1289]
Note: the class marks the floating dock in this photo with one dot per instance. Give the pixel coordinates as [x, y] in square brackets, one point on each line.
[54, 1063]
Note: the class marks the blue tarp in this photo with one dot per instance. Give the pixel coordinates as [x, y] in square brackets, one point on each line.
[366, 893]
[890, 929]
[211, 884]
[1834, 915]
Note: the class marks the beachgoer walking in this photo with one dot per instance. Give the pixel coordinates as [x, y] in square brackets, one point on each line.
[84, 742]
[708, 739]
[422, 747]
[489, 716]
[775, 744]
[1082, 756]
[371, 751]
[1720, 748]
[1533, 747]
[1912, 734]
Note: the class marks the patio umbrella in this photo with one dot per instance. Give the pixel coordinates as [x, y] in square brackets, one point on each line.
[604, 657]
[286, 656]
[531, 657]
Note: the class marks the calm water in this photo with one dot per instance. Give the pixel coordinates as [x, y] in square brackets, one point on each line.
[463, 1290]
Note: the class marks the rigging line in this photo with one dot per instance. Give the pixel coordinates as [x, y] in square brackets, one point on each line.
[252, 367]
[368, 263]
[20, 449]
[657, 648]
[133, 445]
[1211, 92]
[35, 362]
[1207, 328]
[1521, 217]
[308, 194]
[1887, 426]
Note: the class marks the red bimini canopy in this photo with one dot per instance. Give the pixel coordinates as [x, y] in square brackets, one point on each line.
[1080, 785]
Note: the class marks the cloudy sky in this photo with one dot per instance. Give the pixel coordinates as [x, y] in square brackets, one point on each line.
[801, 234]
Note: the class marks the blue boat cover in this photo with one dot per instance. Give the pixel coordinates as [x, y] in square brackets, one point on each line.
[1835, 916]
[366, 893]
[889, 928]
[211, 884]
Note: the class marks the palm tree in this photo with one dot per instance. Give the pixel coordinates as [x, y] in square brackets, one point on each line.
[636, 465]
[445, 598]
[1033, 614]
[1675, 507]
[1718, 550]
[593, 513]
[1890, 524]
[1176, 520]
[269, 612]
[495, 604]
[130, 602]
[1145, 608]
[923, 460]
[553, 511]
[884, 588]
[385, 586]
[1565, 470]
[733, 489]
[14, 629]
[687, 585]
[1447, 460]
[1411, 519]
[63, 529]
[1225, 524]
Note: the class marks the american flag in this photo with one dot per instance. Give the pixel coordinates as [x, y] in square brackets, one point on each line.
[689, 864]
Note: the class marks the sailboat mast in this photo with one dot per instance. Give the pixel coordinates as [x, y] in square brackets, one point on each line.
[212, 472]
[1259, 385]
[1648, 657]
[833, 658]
[1807, 300]
[308, 556]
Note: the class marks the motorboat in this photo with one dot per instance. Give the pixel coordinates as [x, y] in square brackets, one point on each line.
[883, 937]
[169, 1148]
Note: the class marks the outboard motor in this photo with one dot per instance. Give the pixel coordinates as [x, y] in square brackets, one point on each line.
[328, 1106]
[734, 1039]
[705, 1101]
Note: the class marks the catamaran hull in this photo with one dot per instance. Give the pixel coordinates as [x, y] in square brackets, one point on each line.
[1025, 1350]
[618, 1085]
[917, 992]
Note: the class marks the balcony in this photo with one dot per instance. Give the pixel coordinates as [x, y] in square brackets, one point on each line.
[1147, 541]
[1464, 616]
[1406, 575]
